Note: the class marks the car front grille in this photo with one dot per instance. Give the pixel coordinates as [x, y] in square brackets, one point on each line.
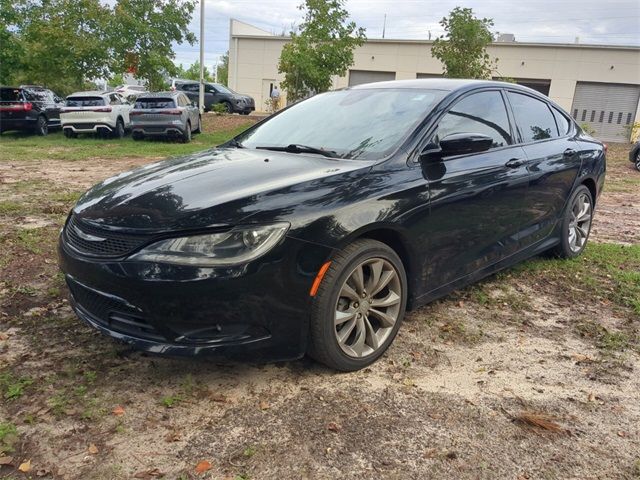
[112, 313]
[96, 242]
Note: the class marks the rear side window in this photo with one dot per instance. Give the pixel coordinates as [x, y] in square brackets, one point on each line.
[85, 102]
[155, 103]
[564, 126]
[482, 112]
[10, 95]
[533, 117]
[39, 95]
[189, 87]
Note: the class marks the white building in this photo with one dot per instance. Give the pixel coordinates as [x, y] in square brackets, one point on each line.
[598, 84]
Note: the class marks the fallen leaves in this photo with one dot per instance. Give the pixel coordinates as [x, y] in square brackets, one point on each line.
[93, 450]
[118, 411]
[538, 420]
[334, 427]
[149, 474]
[264, 405]
[203, 466]
[25, 467]
[6, 460]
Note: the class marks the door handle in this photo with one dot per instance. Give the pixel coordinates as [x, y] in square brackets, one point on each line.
[514, 163]
[569, 152]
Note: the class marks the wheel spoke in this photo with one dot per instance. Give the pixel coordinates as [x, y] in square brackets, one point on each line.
[372, 337]
[342, 317]
[345, 331]
[385, 320]
[385, 278]
[585, 217]
[376, 270]
[392, 298]
[349, 292]
[358, 279]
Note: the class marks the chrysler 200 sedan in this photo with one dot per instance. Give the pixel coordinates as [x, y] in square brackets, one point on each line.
[317, 228]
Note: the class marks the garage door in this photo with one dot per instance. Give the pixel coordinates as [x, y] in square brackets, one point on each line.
[358, 77]
[606, 108]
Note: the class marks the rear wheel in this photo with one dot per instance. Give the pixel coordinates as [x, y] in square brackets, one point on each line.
[186, 134]
[199, 127]
[42, 126]
[576, 224]
[359, 306]
[119, 131]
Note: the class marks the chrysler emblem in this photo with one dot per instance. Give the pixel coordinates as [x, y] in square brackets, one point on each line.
[87, 237]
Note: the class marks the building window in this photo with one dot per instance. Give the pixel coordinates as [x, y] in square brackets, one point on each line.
[619, 118]
[593, 115]
[610, 117]
[575, 113]
[584, 115]
[601, 116]
[628, 118]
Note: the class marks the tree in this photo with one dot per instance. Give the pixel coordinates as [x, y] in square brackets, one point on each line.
[193, 72]
[65, 44]
[222, 76]
[322, 47]
[464, 51]
[142, 33]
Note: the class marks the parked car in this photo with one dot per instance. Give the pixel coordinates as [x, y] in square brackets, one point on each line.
[214, 93]
[314, 230]
[29, 107]
[634, 155]
[164, 114]
[95, 112]
[126, 90]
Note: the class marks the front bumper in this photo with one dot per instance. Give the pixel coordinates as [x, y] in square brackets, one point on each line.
[258, 311]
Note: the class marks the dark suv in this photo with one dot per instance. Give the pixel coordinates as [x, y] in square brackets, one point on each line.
[214, 93]
[30, 108]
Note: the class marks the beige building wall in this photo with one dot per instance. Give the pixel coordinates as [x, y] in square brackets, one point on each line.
[254, 59]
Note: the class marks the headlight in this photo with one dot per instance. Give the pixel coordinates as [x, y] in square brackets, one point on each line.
[237, 246]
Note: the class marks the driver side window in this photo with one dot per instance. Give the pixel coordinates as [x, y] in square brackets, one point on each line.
[482, 112]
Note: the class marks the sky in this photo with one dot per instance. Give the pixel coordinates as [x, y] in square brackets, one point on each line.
[550, 21]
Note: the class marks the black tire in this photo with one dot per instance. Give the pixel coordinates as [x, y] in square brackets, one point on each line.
[228, 107]
[323, 343]
[119, 130]
[137, 136]
[186, 134]
[42, 126]
[70, 133]
[564, 249]
[638, 160]
[244, 113]
[199, 127]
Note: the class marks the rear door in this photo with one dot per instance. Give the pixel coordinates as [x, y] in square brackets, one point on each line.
[476, 199]
[553, 161]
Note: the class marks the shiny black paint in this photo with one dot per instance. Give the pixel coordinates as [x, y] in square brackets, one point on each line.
[44, 103]
[452, 221]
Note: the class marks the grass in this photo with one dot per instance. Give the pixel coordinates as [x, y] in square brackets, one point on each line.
[30, 239]
[55, 146]
[8, 437]
[12, 387]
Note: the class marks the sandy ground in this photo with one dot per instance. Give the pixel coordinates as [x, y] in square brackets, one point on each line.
[472, 388]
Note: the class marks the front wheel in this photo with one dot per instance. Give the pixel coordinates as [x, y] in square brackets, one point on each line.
[576, 224]
[119, 131]
[358, 307]
[638, 161]
[70, 133]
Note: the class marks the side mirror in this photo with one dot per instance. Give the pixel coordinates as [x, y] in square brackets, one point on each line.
[463, 143]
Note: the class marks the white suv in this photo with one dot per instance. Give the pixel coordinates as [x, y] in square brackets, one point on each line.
[95, 112]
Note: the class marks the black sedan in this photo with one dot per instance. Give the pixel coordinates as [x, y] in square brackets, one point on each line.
[316, 229]
[634, 155]
[216, 94]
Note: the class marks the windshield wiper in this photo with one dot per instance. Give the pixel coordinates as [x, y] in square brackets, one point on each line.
[233, 143]
[297, 148]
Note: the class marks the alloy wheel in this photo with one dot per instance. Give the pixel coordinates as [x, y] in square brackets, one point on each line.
[43, 127]
[368, 307]
[580, 222]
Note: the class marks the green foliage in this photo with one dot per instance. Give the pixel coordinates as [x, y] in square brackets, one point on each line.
[65, 44]
[193, 72]
[116, 80]
[223, 70]
[12, 387]
[8, 437]
[323, 47]
[464, 51]
[219, 109]
[586, 128]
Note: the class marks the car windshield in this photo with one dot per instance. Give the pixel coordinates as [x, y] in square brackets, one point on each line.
[223, 89]
[10, 95]
[364, 124]
[85, 102]
[155, 103]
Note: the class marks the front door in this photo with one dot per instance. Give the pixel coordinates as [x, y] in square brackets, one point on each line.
[476, 199]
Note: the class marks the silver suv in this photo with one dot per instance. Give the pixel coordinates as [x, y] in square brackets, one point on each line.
[165, 114]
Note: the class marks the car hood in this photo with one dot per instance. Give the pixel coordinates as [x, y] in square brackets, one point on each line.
[214, 188]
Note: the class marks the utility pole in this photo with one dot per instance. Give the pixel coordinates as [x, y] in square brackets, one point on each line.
[384, 25]
[201, 93]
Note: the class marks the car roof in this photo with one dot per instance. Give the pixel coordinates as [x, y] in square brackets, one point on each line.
[448, 84]
[90, 93]
[159, 94]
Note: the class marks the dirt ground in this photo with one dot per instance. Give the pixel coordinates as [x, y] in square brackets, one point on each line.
[524, 376]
